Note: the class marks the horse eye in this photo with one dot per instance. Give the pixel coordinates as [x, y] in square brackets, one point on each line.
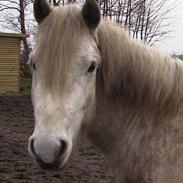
[34, 66]
[92, 67]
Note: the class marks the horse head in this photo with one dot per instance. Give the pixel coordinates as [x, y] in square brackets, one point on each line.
[65, 61]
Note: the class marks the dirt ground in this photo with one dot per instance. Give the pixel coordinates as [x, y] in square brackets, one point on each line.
[16, 124]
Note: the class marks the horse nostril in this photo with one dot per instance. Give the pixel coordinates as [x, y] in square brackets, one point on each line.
[63, 147]
[32, 147]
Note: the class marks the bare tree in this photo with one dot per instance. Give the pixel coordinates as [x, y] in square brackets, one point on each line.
[14, 15]
[56, 2]
[147, 20]
[61, 2]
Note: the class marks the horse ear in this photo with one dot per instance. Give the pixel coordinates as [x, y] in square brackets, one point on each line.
[41, 10]
[91, 13]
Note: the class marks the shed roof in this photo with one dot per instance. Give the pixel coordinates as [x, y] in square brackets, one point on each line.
[14, 35]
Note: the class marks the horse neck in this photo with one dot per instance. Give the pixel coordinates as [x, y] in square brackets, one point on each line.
[134, 73]
[137, 89]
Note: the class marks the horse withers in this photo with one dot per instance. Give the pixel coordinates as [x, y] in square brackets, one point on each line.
[89, 75]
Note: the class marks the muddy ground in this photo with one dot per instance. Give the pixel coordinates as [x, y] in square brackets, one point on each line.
[16, 124]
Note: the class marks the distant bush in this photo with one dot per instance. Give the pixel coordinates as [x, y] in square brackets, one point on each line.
[178, 56]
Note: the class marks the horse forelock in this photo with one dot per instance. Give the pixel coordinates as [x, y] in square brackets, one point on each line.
[61, 27]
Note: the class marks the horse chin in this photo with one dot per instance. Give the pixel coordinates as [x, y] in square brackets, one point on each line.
[56, 166]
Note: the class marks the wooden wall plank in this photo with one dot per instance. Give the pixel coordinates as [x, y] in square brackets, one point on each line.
[9, 64]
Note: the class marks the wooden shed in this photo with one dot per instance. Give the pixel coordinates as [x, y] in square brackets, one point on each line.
[10, 62]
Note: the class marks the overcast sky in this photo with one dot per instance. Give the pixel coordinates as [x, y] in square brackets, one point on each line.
[174, 43]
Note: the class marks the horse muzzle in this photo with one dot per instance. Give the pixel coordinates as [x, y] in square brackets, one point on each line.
[49, 154]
